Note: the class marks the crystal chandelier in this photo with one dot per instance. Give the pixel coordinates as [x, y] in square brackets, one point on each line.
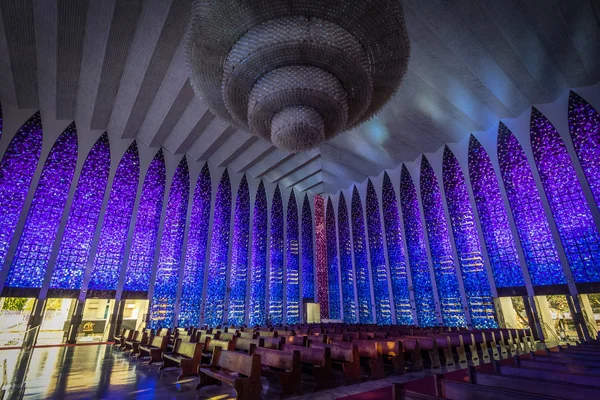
[296, 72]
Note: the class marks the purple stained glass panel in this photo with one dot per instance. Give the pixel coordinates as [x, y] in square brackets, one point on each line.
[276, 256]
[308, 263]
[83, 217]
[576, 228]
[346, 267]
[361, 262]
[239, 255]
[143, 247]
[498, 237]
[395, 251]
[333, 269]
[31, 258]
[417, 253]
[321, 256]
[444, 266]
[214, 307]
[195, 255]
[292, 308]
[258, 271]
[115, 227]
[529, 215]
[162, 309]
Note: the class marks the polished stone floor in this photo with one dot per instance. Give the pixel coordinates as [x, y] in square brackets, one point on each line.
[98, 372]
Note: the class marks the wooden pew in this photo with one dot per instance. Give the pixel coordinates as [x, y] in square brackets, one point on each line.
[458, 346]
[273, 343]
[244, 344]
[154, 349]
[412, 351]
[453, 390]
[211, 344]
[370, 353]
[481, 343]
[287, 365]
[490, 338]
[318, 361]
[248, 335]
[267, 334]
[399, 392]
[222, 368]
[296, 340]
[429, 345]
[126, 334]
[552, 365]
[393, 353]
[345, 358]
[134, 344]
[444, 346]
[186, 356]
[228, 336]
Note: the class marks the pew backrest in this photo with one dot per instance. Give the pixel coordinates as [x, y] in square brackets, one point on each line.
[244, 364]
[245, 344]
[211, 344]
[311, 355]
[279, 359]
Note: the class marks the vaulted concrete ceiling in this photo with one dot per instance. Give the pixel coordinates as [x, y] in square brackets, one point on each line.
[119, 65]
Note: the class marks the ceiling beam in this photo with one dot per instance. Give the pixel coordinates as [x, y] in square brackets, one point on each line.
[215, 133]
[232, 148]
[307, 170]
[270, 162]
[252, 155]
[296, 162]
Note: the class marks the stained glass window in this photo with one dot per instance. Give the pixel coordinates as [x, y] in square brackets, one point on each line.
[16, 171]
[361, 263]
[30, 261]
[321, 256]
[333, 269]
[584, 125]
[529, 215]
[239, 255]
[468, 247]
[195, 254]
[219, 254]
[83, 218]
[162, 310]
[498, 237]
[395, 249]
[276, 255]
[308, 265]
[571, 211]
[258, 270]
[444, 266]
[143, 247]
[417, 253]
[383, 307]
[346, 268]
[115, 226]
[292, 309]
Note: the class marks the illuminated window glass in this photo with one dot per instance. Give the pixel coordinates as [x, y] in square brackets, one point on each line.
[258, 269]
[417, 253]
[584, 125]
[346, 268]
[162, 310]
[308, 265]
[83, 218]
[572, 214]
[195, 254]
[529, 215]
[333, 269]
[16, 171]
[143, 247]
[498, 237]
[383, 308]
[292, 309]
[115, 226]
[239, 255]
[361, 263]
[219, 254]
[30, 261]
[321, 256]
[395, 249]
[444, 266]
[276, 256]
[468, 247]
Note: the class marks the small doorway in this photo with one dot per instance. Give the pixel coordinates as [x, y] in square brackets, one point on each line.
[95, 323]
[513, 311]
[56, 322]
[556, 318]
[14, 318]
[134, 314]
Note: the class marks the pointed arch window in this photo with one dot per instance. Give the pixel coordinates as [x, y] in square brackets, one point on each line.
[258, 271]
[31, 258]
[361, 262]
[239, 255]
[346, 267]
[276, 257]
[83, 217]
[321, 256]
[292, 314]
[308, 264]
[333, 269]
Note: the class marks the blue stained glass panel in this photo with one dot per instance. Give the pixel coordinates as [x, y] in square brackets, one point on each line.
[239, 255]
[361, 263]
[572, 214]
[468, 247]
[395, 249]
[31, 258]
[219, 254]
[83, 218]
[498, 237]
[383, 307]
[16, 171]
[417, 253]
[258, 271]
[276, 254]
[308, 263]
[538, 245]
[195, 255]
[444, 266]
[292, 308]
[147, 221]
[115, 226]
[346, 268]
[333, 269]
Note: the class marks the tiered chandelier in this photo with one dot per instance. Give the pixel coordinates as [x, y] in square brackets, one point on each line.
[297, 72]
